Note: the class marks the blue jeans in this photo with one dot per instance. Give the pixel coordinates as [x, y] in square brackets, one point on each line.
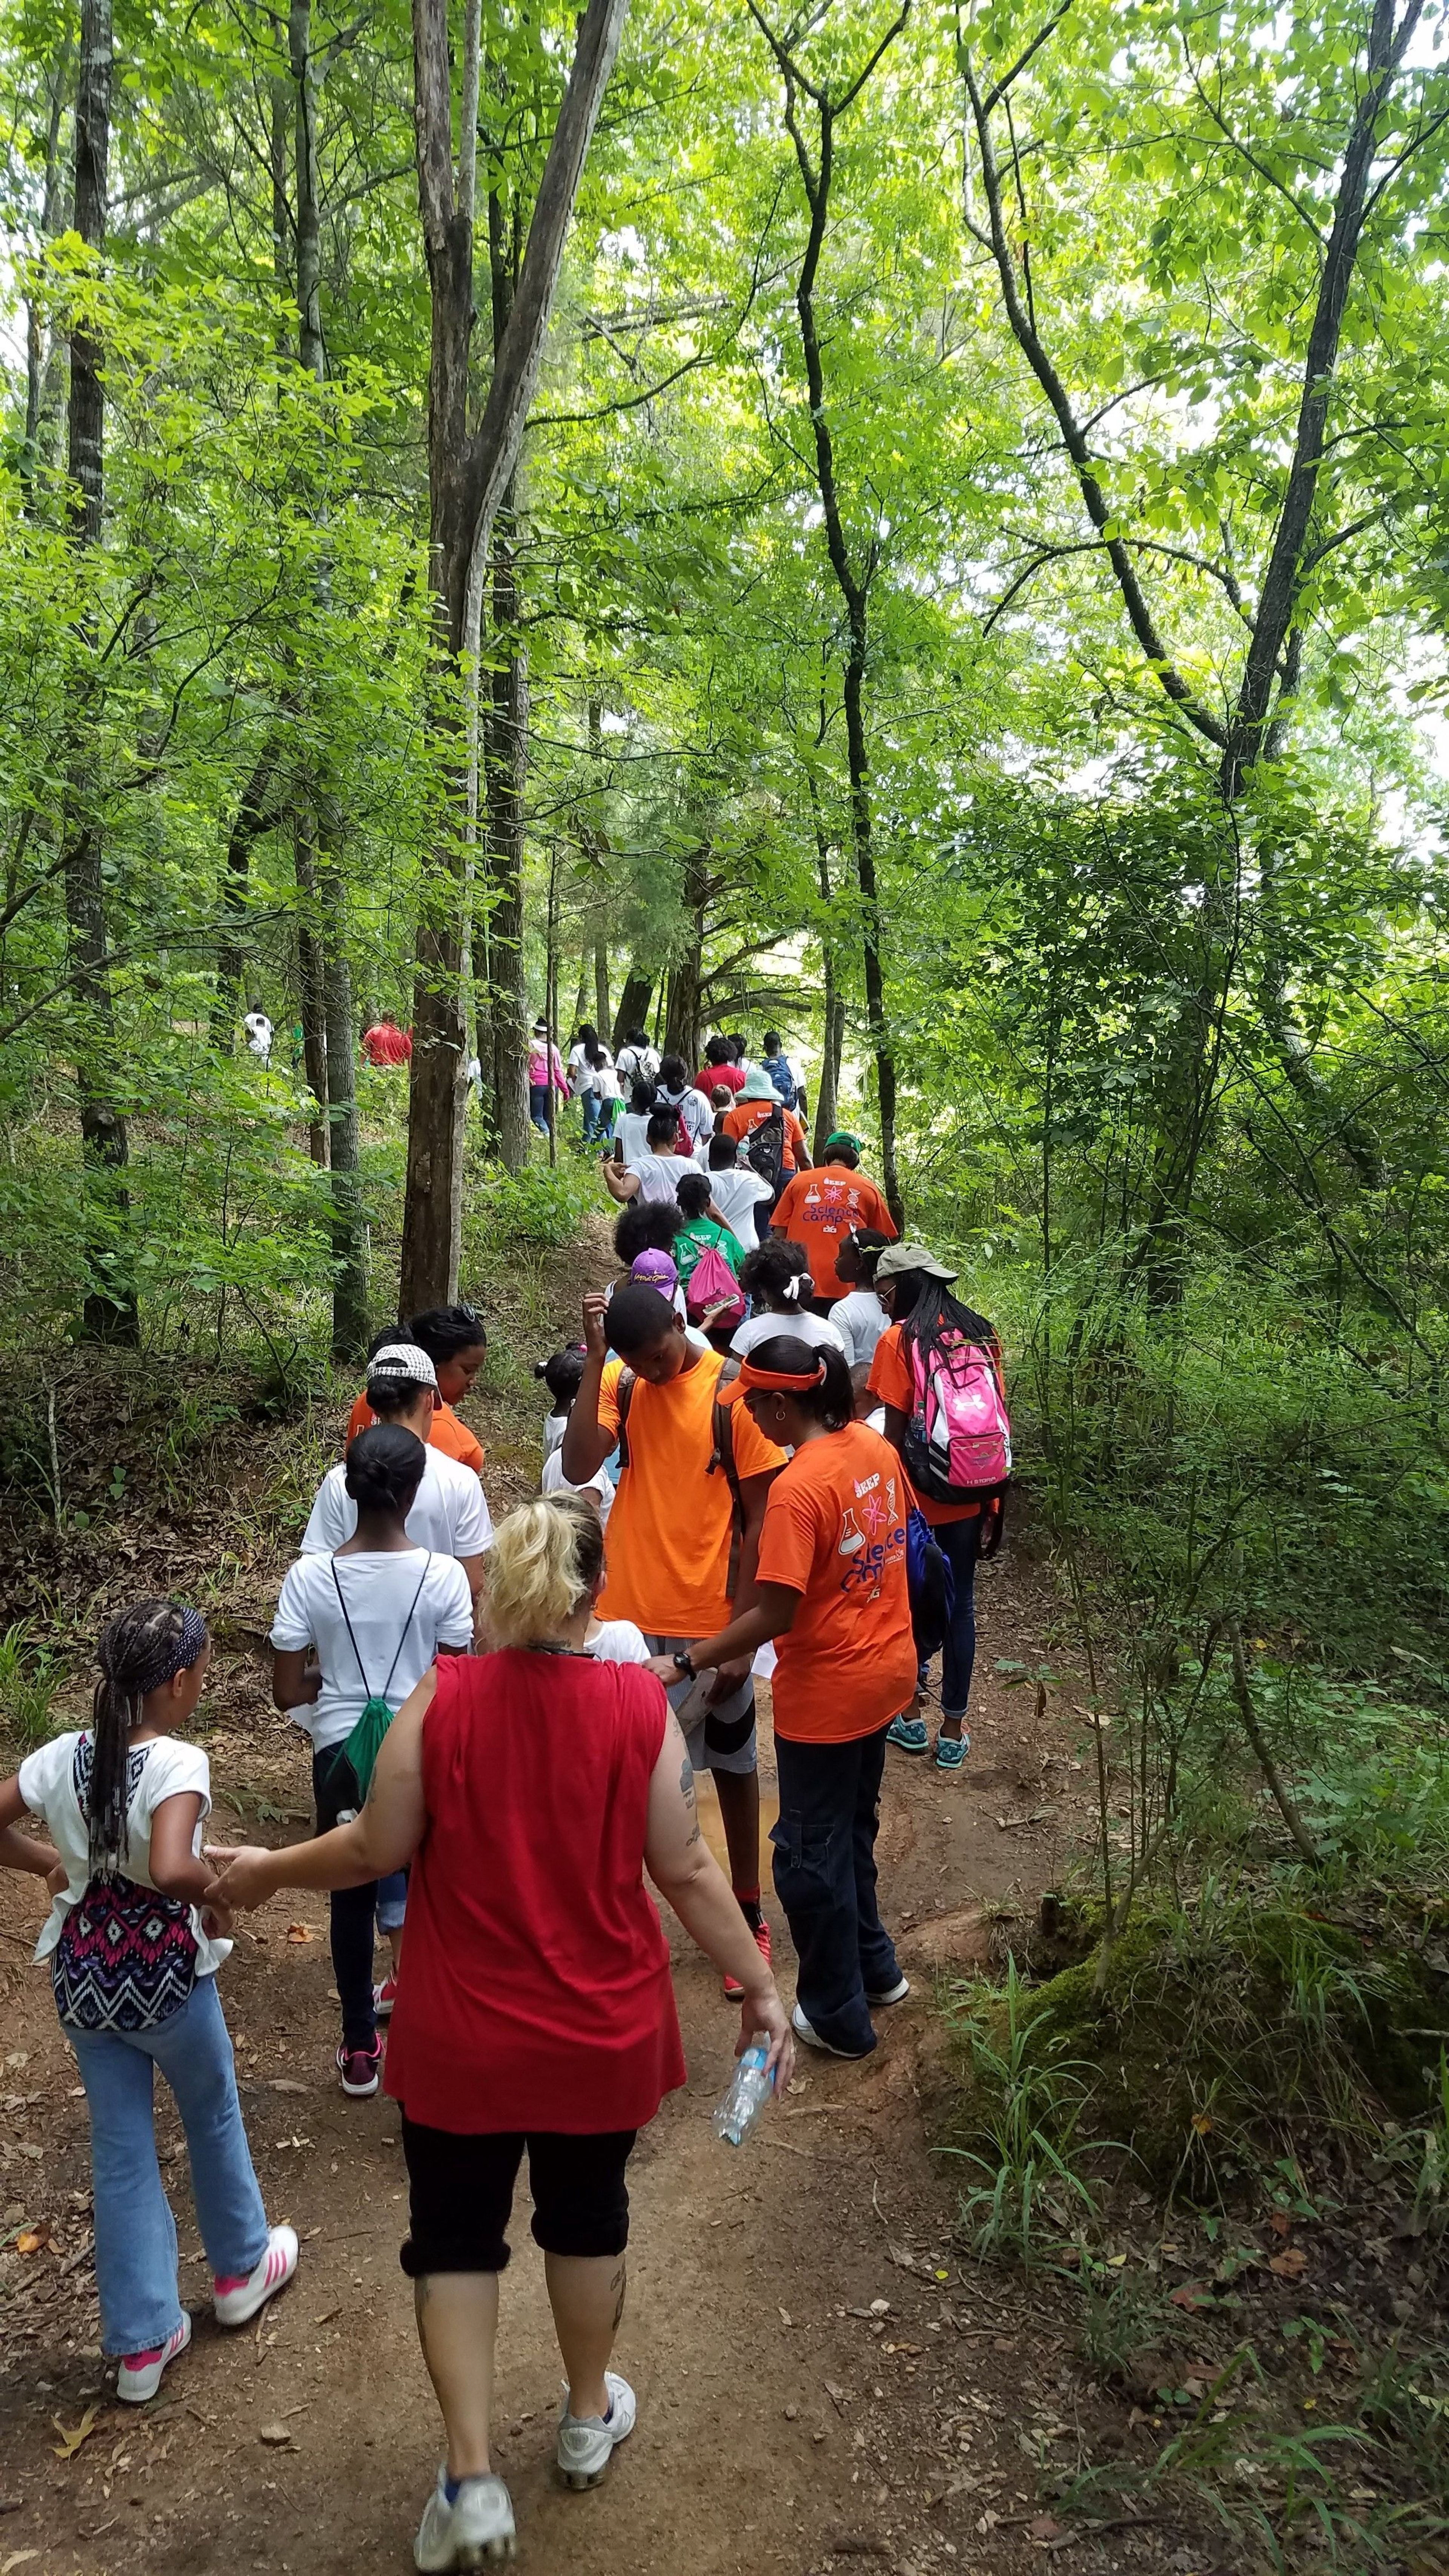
[960, 1544]
[593, 1116]
[825, 1878]
[538, 1105]
[135, 2231]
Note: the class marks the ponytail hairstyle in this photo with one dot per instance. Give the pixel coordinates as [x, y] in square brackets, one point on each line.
[545, 1559]
[137, 1651]
[777, 1275]
[833, 1400]
[935, 1320]
[692, 1194]
[562, 1374]
[641, 1096]
[385, 1468]
[444, 1331]
[663, 1129]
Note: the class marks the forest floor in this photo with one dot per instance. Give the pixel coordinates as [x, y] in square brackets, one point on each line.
[824, 2378]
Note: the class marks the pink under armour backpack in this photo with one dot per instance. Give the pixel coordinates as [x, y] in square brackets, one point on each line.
[957, 1446]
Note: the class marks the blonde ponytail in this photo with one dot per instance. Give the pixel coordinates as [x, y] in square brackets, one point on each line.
[545, 1560]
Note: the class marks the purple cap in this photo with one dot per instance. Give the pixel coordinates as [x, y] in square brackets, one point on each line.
[655, 1265]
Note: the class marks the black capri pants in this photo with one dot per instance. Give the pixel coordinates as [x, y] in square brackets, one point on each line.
[460, 2193]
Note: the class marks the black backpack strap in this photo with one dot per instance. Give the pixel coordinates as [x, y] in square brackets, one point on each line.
[352, 1641]
[723, 1455]
[407, 1623]
[624, 1397]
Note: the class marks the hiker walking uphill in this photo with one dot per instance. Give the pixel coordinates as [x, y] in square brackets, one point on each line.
[693, 1476]
[758, 1102]
[818, 1209]
[937, 1371]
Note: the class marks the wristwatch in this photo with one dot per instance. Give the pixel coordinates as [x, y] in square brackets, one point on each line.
[683, 1662]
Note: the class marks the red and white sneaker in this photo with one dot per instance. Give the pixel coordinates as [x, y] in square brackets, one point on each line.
[733, 1991]
[385, 1996]
[139, 2375]
[238, 2297]
[360, 2069]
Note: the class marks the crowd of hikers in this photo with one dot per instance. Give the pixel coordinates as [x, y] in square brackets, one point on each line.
[778, 1447]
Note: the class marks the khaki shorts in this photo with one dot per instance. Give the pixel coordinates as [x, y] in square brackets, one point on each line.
[716, 1739]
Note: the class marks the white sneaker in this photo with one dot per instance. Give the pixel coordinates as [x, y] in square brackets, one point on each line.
[236, 2302]
[586, 2443]
[807, 2031]
[895, 1994]
[475, 2530]
[139, 2375]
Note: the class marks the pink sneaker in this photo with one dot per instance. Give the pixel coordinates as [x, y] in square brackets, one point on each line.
[238, 2298]
[139, 2375]
[385, 1996]
[360, 2070]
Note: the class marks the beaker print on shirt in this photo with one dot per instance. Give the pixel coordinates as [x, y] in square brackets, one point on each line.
[852, 1536]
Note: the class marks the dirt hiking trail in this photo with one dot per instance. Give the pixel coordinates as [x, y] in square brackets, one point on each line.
[822, 2378]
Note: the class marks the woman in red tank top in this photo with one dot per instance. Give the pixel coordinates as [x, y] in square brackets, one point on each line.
[530, 1788]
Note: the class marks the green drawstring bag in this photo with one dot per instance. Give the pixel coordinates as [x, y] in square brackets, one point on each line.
[364, 1744]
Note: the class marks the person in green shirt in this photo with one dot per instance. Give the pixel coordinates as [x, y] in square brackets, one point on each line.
[700, 1229]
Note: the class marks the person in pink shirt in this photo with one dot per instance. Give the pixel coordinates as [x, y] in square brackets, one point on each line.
[545, 1066]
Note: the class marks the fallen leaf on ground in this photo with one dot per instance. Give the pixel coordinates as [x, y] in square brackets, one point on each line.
[1281, 2223]
[300, 1932]
[785, 2317]
[1191, 2295]
[288, 2084]
[1202, 2121]
[1290, 2264]
[17, 2558]
[1044, 2526]
[32, 2240]
[70, 2442]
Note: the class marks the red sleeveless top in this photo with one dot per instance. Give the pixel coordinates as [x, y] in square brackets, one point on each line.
[535, 1990]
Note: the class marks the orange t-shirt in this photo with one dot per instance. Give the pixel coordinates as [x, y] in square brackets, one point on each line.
[835, 1532]
[448, 1434]
[737, 1122]
[891, 1380]
[667, 1551]
[818, 1209]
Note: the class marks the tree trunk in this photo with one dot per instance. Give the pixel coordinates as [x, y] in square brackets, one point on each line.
[827, 1096]
[633, 1011]
[468, 479]
[682, 1030]
[312, 980]
[349, 1226]
[255, 814]
[507, 775]
[601, 985]
[110, 1310]
[307, 83]
[37, 352]
[817, 179]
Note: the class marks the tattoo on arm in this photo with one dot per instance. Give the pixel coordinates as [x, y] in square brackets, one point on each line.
[686, 1781]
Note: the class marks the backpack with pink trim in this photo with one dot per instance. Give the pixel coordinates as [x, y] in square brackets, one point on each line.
[957, 1444]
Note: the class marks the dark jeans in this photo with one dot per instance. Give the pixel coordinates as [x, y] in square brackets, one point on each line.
[538, 1104]
[825, 1879]
[460, 2192]
[335, 1792]
[960, 1544]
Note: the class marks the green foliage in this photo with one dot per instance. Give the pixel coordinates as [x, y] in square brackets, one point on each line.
[542, 1204]
[1023, 2102]
[30, 1679]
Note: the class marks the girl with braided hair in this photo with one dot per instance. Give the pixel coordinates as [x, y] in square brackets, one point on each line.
[133, 1957]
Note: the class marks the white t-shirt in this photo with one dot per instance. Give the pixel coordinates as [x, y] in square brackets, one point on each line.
[259, 1033]
[660, 1174]
[378, 1589]
[450, 1514]
[617, 1641]
[555, 1425]
[631, 1137]
[798, 1328]
[859, 1319]
[638, 1064]
[598, 1488]
[737, 1194]
[164, 1768]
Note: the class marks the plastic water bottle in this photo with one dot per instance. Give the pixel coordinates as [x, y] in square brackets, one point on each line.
[750, 2089]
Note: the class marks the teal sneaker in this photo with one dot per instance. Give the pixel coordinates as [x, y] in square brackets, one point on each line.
[951, 1751]
[907, 1734]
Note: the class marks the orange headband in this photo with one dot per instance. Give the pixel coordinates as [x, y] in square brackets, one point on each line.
[754, 1380]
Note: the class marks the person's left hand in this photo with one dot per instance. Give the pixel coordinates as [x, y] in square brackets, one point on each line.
[216, 1919]
[728, 1677]
[241, 1879]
